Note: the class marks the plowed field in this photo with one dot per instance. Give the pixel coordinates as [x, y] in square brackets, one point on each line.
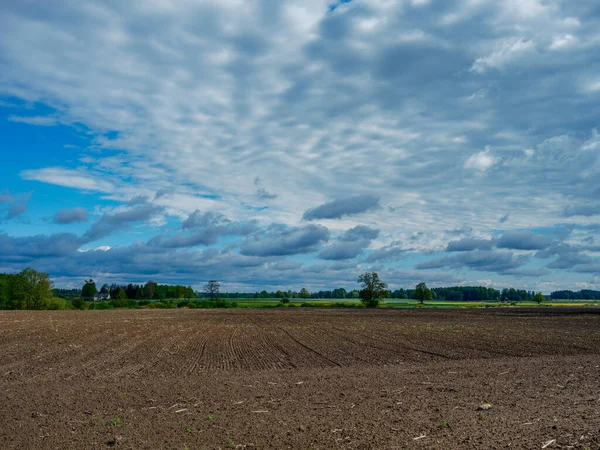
[300, 378]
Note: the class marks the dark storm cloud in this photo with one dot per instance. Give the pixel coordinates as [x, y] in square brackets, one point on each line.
[392, 252]
[109, 223]
[358, 233]
[339, 208]
[16, 210]
[523, 240]
[67, 216]
[30, 248]
[279, 240]
[593, 268]
[163, 193]
[586, 210]
[479, 260]
[532, 273]
[350, 244]
[262, 194]
[204, 229]
[206, 220]
[342, 250]
[570, 261]
[468, 244]
[17, 204]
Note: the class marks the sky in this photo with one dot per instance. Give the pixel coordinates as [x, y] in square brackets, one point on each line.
[300, 143]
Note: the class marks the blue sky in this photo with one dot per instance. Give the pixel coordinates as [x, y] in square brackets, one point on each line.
[300, 143]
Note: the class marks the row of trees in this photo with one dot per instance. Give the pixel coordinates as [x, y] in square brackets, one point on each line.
[149, 291]
[340, 293]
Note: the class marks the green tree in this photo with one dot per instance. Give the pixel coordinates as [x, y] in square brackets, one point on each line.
[121, 299]
[373, 289]
[150, 289]
[339, 293]
[539, 298]
[304, 293]
[4, 292]
[16, 292]
[89, 289]
[212, 290]
[38, 289]
[422, 292]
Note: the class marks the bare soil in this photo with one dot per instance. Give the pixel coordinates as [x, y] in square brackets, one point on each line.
[300, 379]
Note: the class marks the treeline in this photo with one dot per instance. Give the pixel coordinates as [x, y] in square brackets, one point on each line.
[149, 291]
[584, 294]
[340, 293]
[454, 293]
[66, 293]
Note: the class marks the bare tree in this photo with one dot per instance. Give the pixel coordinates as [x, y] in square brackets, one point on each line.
[212, 289]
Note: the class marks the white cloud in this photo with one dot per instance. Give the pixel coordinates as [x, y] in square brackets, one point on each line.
[77, 179]
[101, 248]
[45, 121]
[593, 143]
[481, 161]
[592, 86]
[562, 41]
[505, 53]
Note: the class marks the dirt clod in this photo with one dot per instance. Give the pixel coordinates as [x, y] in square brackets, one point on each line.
[484, 407]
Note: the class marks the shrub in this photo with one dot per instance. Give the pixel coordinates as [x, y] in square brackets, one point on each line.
[56, 303]
[78, 303]
[102, 305]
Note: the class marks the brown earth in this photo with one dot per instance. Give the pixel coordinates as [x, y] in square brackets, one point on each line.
[300, 378]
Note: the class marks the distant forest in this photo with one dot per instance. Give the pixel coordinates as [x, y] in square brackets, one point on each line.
[454, 293]
[584, 294]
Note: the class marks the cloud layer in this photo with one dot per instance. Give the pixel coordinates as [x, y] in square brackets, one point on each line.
[300, 141]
